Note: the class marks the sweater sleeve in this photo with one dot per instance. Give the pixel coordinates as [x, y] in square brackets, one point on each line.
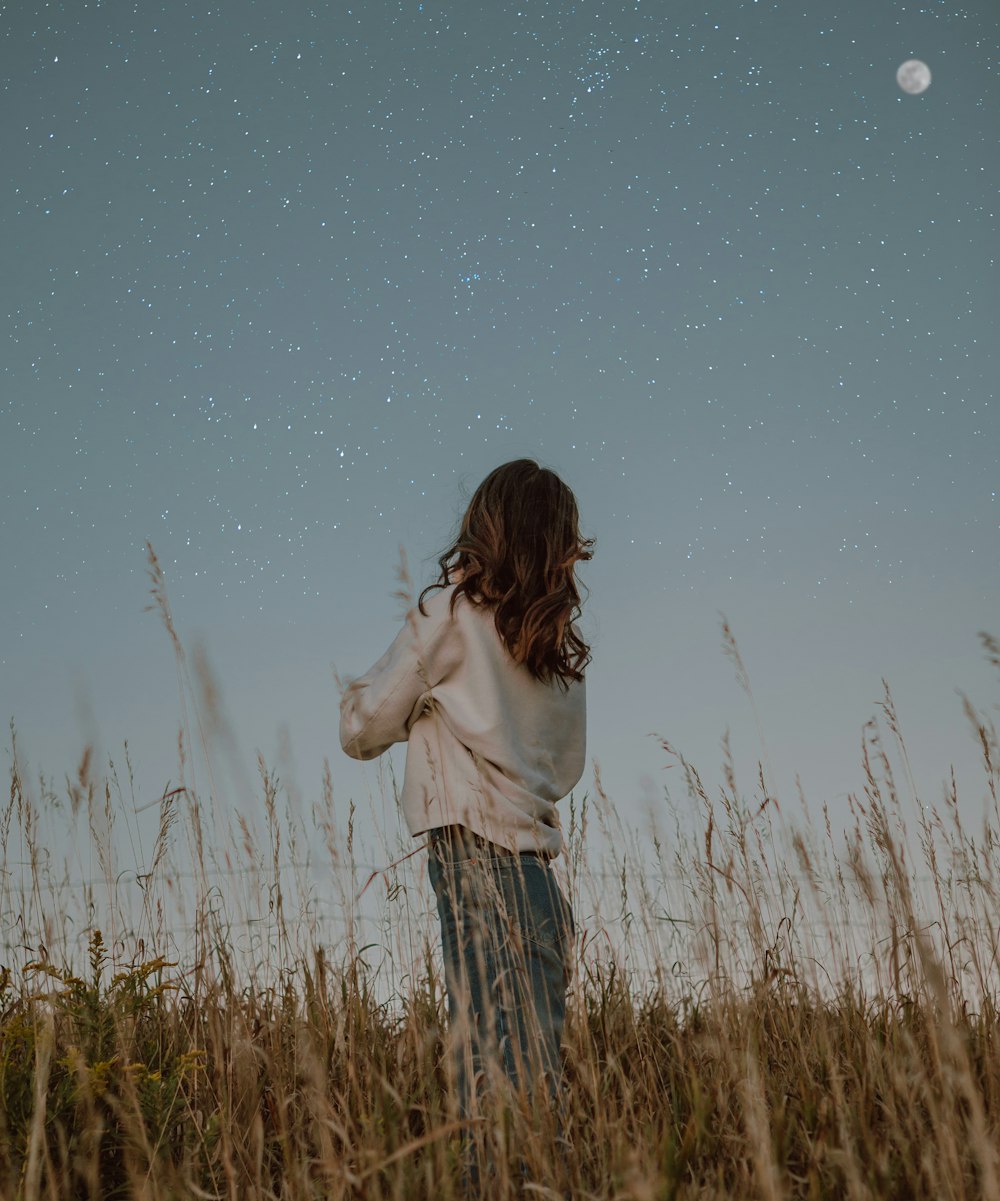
[379, 708]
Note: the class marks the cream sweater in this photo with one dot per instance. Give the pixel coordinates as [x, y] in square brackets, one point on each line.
[490, 747]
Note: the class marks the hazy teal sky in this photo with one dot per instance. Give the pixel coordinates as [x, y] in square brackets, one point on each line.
[280, 281]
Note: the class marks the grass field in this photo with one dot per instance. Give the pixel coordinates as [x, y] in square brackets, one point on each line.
[764, 1007]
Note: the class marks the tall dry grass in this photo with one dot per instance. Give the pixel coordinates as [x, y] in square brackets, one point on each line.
[765, 1006]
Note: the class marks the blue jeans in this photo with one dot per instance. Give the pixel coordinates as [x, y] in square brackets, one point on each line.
[507, 933]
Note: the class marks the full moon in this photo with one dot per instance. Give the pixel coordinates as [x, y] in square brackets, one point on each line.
[914, 76]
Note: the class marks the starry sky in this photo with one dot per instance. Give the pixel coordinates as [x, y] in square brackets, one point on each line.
[282, 283]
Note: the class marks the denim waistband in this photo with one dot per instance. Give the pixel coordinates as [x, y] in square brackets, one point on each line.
[458, 842]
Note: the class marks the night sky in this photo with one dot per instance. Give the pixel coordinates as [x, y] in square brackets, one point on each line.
[282, 283]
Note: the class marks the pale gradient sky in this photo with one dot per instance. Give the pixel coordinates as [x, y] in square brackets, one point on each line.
[279, 282]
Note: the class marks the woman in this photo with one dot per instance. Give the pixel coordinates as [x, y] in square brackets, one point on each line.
[485, 682]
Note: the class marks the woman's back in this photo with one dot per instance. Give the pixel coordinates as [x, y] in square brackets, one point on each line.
[491, 746]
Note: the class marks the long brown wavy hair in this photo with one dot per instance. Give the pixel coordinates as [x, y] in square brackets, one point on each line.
[516, 553]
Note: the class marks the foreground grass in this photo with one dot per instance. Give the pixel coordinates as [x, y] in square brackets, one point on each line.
[815, 1017]
[317, 1091]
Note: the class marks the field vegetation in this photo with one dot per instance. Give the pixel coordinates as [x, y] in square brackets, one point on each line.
[765, 1006]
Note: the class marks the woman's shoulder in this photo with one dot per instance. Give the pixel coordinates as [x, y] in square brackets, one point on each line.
[439, 609]
[449, 609]
[435, 600]
[440, 599]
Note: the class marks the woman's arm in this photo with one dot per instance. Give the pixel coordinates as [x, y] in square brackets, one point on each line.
[379, 707]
